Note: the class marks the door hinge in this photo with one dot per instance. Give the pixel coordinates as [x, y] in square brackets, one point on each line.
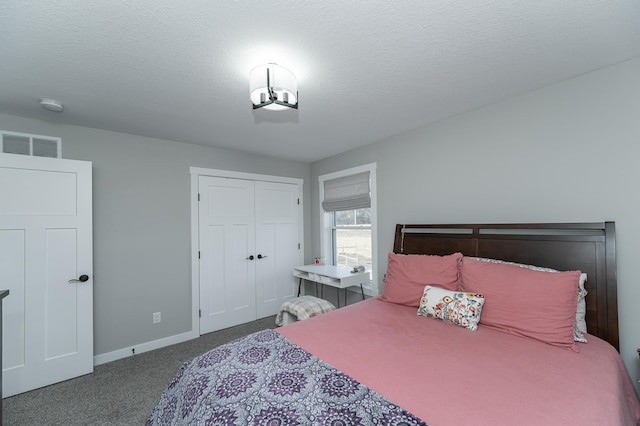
[198, 255]
[198, 196]
[199, 313]
[298, 246]
[298, 201]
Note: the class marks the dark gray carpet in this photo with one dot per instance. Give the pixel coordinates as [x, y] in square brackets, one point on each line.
[122, 392]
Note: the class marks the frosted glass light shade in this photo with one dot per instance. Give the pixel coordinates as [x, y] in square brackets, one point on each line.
[282, 82]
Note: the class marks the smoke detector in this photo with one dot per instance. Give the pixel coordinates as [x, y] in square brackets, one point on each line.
[51, 105]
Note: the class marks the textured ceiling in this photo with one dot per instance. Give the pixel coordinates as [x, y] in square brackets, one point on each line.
[179, 70]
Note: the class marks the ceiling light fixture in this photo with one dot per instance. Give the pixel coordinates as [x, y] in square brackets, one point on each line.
[273, 87]
[51, 105]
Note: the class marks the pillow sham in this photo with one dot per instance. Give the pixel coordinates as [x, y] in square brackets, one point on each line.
[580, 325]
[407, 274]
[461, 309]
[525, 302]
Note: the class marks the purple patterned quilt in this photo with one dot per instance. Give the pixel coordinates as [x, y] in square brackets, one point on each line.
[264, 379]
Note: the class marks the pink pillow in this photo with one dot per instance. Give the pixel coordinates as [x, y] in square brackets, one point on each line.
[407, 274]
[525, 302]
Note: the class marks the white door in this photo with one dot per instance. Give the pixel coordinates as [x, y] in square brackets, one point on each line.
[248, 244]
[227, 252]
[276, 245]
[45, 246]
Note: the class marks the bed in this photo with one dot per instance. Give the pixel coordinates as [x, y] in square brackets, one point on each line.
[379, 362]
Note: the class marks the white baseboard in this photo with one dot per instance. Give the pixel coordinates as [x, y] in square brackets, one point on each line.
[143, 347]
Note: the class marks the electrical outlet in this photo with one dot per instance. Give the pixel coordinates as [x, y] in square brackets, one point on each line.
[156, 317]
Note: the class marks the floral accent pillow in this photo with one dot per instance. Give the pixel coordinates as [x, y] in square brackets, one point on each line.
[456, 307]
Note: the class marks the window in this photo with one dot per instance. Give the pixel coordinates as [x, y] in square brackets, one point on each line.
[348, 219]
[351, 238]
[27, 144]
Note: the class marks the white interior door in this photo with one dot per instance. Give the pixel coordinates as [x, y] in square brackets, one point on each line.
[227, 252]
[276, 244]
[45, 245]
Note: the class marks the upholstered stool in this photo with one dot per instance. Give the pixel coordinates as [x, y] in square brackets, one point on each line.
[301, 308]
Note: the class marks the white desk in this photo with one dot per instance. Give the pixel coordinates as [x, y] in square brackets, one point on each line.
[334, 276]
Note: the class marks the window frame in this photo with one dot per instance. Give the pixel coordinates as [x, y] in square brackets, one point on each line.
[327, 224]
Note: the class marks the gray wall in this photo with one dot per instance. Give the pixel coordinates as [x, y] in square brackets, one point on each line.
[141, 202]
[565, 153]
[521, 160]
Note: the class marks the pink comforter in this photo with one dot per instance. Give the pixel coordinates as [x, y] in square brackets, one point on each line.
[447, 375]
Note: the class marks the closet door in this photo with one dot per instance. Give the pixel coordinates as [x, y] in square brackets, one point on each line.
[227, 252]
[276, 244]
[248, 233]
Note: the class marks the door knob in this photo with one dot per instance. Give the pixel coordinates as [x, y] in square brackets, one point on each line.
[250, 257]
[261, 256]
[81, 279]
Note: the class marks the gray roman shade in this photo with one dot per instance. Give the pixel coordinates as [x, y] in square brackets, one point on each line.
[347, 193]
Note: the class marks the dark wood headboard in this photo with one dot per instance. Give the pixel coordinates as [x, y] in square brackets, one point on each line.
[588, 247]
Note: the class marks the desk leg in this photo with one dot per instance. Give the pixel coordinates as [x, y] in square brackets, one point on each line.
[299, 285]
[338, 291]
[362, 290]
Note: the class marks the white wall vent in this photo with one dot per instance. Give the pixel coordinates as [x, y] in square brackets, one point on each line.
[27, 144]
